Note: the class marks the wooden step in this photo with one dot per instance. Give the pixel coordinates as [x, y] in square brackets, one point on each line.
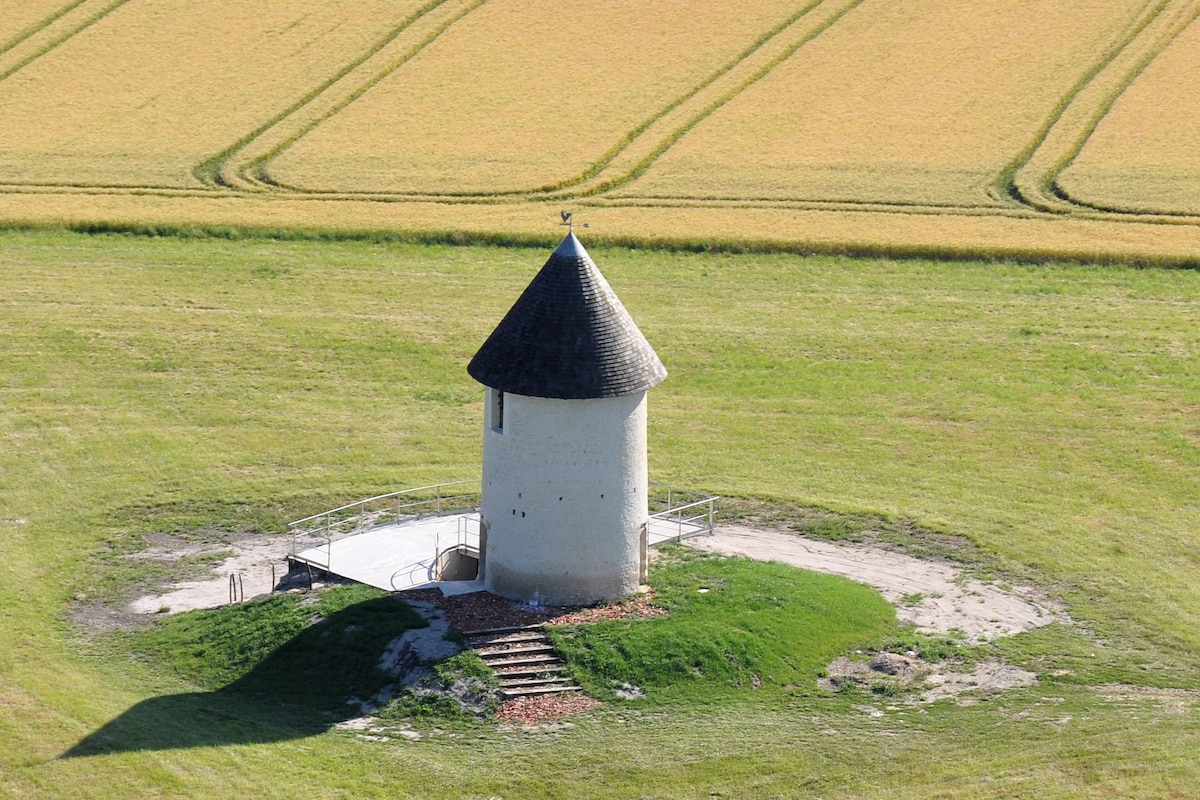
[489, 639]
[510, 693]
[490, 656]
[504, 652]
[561, 680]
[528, 672]
[492, 647]
[501, 631]
[522, 661]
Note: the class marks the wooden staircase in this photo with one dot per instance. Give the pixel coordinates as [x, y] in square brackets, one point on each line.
[523, 659]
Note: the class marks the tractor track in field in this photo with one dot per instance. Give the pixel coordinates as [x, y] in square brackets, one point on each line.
[644, 145]
[626, 160]
[243, 166]
[64, 24]
[1031, 179]
[32, 30]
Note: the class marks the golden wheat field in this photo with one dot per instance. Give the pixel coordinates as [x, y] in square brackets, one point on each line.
[1032, 127]
[149, 91]
[900, 103]
[521, 96]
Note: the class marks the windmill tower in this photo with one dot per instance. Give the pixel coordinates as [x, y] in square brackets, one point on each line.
[564, 489]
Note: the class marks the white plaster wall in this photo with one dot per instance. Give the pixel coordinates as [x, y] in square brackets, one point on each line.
[564, 498]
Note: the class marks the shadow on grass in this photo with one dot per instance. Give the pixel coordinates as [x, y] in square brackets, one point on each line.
[197, 719]
[299, 689]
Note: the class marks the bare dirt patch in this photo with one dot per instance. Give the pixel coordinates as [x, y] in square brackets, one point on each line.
[254, 563]
[935, 597]
[986, 677]
[887, 674]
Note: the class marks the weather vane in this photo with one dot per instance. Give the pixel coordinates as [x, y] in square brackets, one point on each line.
[568, 219]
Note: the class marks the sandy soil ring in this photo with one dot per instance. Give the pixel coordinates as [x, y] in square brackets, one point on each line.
[936, 597]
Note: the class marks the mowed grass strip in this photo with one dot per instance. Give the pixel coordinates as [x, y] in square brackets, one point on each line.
[908, 104]
[521, 95]
[1142, 156]
[203, 387]
[1046, 412]
[153, 89]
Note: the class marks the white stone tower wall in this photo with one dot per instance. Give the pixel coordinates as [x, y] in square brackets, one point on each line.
[564, 498]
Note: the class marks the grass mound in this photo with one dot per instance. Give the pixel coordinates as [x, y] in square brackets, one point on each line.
[734, 626]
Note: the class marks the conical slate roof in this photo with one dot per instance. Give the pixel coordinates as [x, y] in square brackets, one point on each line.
[568, 337]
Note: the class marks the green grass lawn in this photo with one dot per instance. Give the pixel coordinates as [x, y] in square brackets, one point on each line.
[202, 387]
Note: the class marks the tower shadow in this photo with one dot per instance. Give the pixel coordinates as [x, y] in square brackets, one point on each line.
[301, 689]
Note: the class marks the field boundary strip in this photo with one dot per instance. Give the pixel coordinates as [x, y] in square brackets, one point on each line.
[52, 32]
[243, 166]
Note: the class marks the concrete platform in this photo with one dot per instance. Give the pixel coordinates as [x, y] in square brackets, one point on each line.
[397, 556]
[401, 556]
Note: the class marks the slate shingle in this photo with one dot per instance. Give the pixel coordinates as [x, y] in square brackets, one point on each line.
[568, 337]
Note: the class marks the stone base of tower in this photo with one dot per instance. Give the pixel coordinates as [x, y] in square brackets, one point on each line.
[565, 589]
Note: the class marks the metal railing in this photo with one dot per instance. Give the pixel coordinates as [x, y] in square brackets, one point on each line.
[466, 535]
[320, 530]
[686, 512]
[675, 514]
[449, 549]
